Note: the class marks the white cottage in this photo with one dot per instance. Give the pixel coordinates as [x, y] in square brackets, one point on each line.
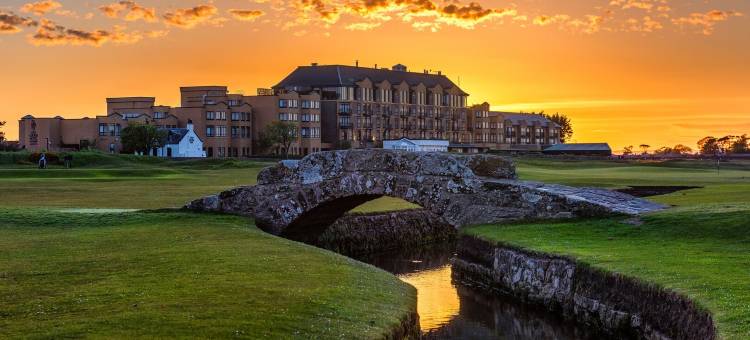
[414, 145]
[182, 143]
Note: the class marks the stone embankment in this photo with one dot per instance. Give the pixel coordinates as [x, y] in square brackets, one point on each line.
[355, 234]
[610, 303]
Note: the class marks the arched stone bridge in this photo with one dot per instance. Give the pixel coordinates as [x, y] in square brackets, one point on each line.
[306, 196]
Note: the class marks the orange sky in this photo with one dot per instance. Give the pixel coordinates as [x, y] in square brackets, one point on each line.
[627, 72]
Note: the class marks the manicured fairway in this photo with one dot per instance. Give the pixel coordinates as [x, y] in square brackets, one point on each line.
[76, 262]
[169, 274]
[700, 247]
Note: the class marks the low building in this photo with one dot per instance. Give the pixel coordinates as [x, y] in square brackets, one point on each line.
[580, 149]
[415, 145]
[182, 143]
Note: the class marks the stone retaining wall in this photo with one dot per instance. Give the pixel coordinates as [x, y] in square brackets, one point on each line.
[611, 303]
[355, 234]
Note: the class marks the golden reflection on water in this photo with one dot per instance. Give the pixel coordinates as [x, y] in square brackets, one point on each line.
[437, 297]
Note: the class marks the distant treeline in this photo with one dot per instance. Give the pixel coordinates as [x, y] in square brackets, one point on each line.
[731, 144]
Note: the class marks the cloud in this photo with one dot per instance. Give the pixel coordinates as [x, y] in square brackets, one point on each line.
[246, 14]
[421, 14]
[40, 7]
[190, 17]
[706, 21]
[363, 26]
[12, 23]
[132, 10]
[50, 33]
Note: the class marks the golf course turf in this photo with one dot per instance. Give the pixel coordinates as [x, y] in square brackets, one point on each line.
[700, 246]
[74, 264]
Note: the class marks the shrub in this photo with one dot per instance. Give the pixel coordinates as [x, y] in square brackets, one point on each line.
[8, 158]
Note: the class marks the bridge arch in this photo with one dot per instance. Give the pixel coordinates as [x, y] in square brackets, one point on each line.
[460, 189]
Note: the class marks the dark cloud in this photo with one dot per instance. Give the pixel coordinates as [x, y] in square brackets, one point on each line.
[246, 14]
[12, 23]
[190, 17]
[133, 11]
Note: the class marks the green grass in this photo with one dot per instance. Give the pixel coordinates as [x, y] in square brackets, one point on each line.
[171, 274]
[121, 181]
[74, 262]
[701, 247]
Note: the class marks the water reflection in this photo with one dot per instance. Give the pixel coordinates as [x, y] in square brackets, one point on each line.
[451, 310]
[437, 297]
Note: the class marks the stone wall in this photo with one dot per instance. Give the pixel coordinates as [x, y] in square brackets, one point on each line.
[355, 234]
[611, 303]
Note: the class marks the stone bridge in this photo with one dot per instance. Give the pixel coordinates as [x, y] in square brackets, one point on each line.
[306, 196]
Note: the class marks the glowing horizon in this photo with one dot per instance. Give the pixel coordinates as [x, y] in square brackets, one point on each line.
[660, 72]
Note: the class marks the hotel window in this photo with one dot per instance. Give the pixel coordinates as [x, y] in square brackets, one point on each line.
[131, 115]
[234, 102]
[235, 131]
[284, 103]
[210, 131]
[237, 116]
[160, 115]
[307, 117]
[221, 131]
[103, 129]
[310, 104]
[286, 116]
[345, 108]
[345, 93]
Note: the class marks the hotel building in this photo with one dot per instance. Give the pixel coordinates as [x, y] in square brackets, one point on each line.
[223, 122]
[333, 106]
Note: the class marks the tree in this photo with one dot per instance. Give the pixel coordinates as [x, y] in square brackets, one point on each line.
[741, 144]
[2, 134]
[262, 143]
[566, 126]
[664, 150]
[644, 148]
[142, 138]
[628, 150]
[725, 143]
[281, 134]
[708, 145]
[682, 149]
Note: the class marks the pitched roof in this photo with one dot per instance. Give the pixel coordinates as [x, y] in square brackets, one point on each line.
[517, 118]
[580, 147]
[343, 75]
[174, 136]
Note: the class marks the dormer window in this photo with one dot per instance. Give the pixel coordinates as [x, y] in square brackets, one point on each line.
[160, 115]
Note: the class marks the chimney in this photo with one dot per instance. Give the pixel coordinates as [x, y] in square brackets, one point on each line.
[356, 63]
[190, 125]
[313, 64]
[376, 66]
[440, 73]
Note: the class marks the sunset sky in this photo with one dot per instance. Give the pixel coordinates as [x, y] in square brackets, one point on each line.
[627, 72]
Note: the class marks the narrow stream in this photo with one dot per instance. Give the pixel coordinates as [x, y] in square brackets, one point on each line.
[452, 310]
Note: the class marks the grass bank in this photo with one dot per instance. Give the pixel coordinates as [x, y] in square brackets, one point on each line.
[173, 274]
[700, 247]
[71, 266]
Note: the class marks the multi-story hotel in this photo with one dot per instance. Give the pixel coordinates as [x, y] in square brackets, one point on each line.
[333, 106]
[222, 121]
[360, 107]
[511, 131]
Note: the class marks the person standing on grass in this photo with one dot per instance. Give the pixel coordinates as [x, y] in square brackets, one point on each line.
[68, 161]
[42, 161]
